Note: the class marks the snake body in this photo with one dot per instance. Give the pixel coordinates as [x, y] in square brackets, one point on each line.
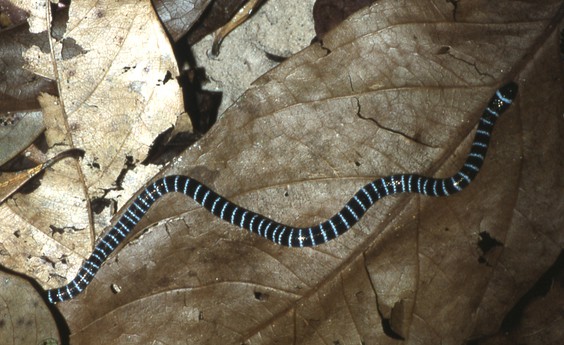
[279, 233]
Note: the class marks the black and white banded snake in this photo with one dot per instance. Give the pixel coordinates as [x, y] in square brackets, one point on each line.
[282, 234]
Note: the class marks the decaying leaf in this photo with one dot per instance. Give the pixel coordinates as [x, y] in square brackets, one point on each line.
[397, 87]
[24, 317]
[115, 75]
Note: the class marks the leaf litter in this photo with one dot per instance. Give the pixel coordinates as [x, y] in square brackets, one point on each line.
[411, 268]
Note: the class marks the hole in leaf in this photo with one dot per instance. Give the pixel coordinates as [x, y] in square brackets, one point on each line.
[554, 275]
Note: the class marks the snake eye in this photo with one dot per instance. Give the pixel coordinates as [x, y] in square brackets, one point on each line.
[508, 92]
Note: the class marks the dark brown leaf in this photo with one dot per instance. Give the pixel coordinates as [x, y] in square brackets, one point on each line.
[24, 318]
[396, 88]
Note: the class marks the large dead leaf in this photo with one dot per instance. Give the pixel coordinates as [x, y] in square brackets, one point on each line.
[114, 70]
[396, 88]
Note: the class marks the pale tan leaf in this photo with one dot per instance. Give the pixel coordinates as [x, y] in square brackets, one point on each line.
[115, 73]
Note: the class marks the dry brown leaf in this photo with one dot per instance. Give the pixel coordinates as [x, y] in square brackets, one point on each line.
[115, 73]
[178, 16]
[396, 88]
[24, 317]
